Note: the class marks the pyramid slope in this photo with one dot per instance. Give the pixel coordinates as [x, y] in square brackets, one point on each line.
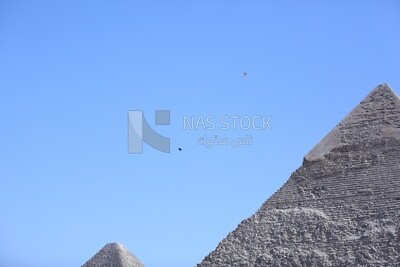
[340, 208]
[113, 255]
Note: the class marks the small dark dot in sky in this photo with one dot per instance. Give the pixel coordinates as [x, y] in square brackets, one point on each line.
[180, 149]
[245, 74]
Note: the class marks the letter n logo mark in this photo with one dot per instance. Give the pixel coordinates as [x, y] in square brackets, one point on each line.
[139, 130]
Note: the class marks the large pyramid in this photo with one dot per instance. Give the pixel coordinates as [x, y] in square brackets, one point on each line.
[113, 255]
[340, 208]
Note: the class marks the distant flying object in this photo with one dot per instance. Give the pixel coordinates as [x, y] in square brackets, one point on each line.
[180, 149]
[245, 74]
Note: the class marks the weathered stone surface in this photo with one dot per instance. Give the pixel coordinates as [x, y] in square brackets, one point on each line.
[375, 118]
[340, 208]
[113, 255]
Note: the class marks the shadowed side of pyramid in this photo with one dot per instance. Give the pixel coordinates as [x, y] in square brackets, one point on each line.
[113, 255]
[340, 208]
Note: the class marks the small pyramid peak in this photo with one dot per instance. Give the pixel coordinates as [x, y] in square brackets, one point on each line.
[376, 117]
[113, 255]
[115, 245]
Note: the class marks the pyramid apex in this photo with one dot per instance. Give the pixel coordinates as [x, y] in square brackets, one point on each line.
[384, 90]
[113, 255]
[376, 117]
[116, 245]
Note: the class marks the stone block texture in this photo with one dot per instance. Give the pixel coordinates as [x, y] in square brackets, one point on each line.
[340, 208]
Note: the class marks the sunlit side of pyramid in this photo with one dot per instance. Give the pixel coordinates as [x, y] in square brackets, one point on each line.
[340, 208]
[113, 255]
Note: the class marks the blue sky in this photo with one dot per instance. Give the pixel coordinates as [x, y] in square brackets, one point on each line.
[71, 70]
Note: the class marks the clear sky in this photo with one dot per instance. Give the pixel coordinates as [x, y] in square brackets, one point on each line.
[71, 70]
